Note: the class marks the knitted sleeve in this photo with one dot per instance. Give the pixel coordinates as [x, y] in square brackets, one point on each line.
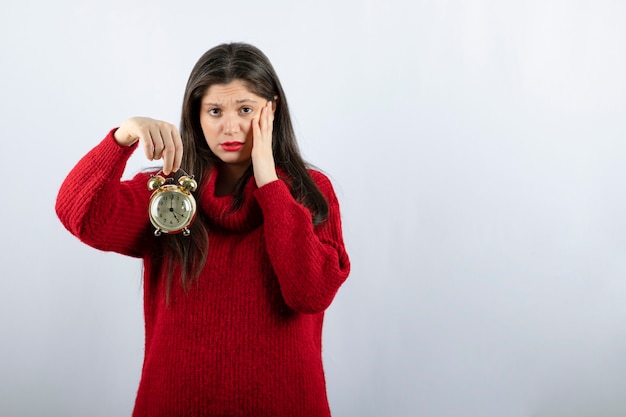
[100, 209]
[310, 262]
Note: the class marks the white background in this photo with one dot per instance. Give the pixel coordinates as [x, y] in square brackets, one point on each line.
[478, 151]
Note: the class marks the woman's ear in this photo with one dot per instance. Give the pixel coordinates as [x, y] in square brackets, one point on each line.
[274, 103]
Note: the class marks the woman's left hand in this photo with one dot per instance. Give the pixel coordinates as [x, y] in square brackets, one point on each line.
[262, 155]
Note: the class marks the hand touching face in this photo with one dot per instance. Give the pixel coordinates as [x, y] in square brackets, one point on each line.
[237, 125]
[262, 155]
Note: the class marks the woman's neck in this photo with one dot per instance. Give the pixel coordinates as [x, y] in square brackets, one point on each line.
[229, 175]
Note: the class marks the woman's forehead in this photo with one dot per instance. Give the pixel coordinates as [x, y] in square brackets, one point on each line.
[234, 91]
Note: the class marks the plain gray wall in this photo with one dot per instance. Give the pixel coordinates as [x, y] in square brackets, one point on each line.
[477, 148]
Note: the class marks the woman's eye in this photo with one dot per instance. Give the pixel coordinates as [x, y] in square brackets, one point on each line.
[246, 110]
[214, 112]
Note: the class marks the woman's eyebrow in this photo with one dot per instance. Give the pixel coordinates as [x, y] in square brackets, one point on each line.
[240, 101]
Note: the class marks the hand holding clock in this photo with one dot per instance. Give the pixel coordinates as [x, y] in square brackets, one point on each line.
[159, 139]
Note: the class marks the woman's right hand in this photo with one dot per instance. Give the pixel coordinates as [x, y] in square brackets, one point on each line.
[159, 139]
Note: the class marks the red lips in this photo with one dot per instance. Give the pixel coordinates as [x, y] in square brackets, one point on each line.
[232, 146]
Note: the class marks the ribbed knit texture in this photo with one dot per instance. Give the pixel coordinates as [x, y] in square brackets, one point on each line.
[245, 339]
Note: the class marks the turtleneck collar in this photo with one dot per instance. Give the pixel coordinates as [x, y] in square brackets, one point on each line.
[219, 209]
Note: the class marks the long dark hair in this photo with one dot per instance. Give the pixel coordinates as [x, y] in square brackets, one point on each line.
[222, 65]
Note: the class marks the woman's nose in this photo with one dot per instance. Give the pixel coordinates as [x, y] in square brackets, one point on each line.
[230, 125]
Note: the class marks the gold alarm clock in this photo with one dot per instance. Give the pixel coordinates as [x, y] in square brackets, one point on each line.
[172, 207]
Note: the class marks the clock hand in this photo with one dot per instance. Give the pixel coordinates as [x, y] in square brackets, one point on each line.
[174, 213]
[179, 213]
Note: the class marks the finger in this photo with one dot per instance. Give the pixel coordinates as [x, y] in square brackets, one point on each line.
[157, 141]
[256, 129]
[269, 117]
[178, 150]
[148, 146]
[168, 152]
[172, 150]
[263, 122]
[148, 149]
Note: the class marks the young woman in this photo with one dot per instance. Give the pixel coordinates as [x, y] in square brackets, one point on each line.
[234, 310]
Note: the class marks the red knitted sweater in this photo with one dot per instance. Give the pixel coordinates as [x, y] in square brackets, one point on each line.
[245, 338]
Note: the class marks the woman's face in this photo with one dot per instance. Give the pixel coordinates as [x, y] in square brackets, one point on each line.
[226, 114]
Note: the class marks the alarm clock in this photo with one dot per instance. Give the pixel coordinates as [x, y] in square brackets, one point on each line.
[172, 207]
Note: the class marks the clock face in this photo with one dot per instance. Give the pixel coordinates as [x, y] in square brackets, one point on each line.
[172, 210]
